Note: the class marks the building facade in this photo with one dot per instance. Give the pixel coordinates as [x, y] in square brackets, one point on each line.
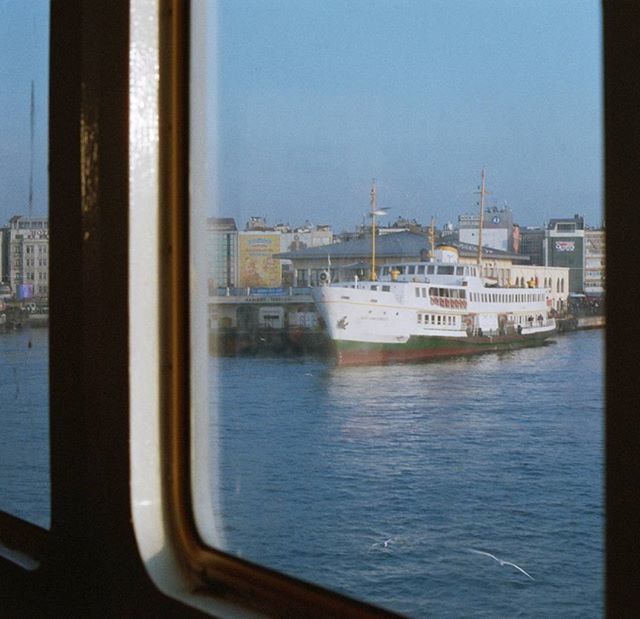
[4, 234]
[28, 257]
[594, 262]
[498, 230]
[222, 253]
[564, 247]
[532, 244]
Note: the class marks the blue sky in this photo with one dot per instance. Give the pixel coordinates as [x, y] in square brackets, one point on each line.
[317, 98]
[24, 56]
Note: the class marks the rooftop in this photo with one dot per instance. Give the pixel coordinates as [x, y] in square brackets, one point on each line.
[403, 245]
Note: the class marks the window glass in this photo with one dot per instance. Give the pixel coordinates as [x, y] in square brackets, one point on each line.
[429, 491]
[24, 261]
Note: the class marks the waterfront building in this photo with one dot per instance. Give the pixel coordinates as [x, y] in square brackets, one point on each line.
[353, 257]
[594, 261]
[532, 244]
[350, 258]
[28, 256]
[301, 238]
[448, 234]
[222, 253]
[554, 279]
[498, 229]
[564, 247]
[257, 224]
[4, 233]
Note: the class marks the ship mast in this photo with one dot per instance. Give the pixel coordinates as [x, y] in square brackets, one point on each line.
[432, 238]
[483, 193]
[375, 212]
[373, 230]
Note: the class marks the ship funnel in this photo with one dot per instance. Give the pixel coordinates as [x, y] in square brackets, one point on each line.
[447, 254]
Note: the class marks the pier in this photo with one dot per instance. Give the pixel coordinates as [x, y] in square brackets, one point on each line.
[255, 321]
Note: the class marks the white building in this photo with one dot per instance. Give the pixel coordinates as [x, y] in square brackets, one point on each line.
[28, 256]
[554, 279]
[594, 261]
[497, 229]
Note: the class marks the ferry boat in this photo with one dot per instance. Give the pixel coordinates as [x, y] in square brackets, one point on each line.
[423, 310]
[415, 311]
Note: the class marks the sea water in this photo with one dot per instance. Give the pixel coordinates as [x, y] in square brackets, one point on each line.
[380, 482]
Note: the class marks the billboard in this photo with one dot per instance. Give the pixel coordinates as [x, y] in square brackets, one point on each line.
[565, 246]
[257, 267]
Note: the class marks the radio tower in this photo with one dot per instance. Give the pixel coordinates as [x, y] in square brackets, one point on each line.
[31, 121]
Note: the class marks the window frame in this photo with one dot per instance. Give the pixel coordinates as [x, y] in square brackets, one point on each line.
[92, 538]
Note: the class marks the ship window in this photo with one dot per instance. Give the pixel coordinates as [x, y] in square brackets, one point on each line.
[374, 287]
[260, 104]
[463, 294]
[424, 292]
[459, 270]
[430, 269]
[25, 490]
[411, 270]
[421, 269]
[386, 288]
[385, 270]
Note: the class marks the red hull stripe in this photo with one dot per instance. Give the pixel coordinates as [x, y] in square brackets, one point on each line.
[379, 356]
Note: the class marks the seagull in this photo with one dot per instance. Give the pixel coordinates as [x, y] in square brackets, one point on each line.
[501, 561]
[385, 543]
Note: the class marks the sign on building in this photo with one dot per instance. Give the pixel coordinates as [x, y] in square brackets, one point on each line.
[565, 246]
[257, 267]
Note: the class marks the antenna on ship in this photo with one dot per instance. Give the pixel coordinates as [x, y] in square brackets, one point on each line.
[375, 212]
[483, 192]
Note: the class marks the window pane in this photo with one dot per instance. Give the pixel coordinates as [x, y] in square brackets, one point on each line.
[24, 261]
[428, 489]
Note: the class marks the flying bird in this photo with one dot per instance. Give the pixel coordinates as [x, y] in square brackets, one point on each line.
[385, 543]
[501, 561]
